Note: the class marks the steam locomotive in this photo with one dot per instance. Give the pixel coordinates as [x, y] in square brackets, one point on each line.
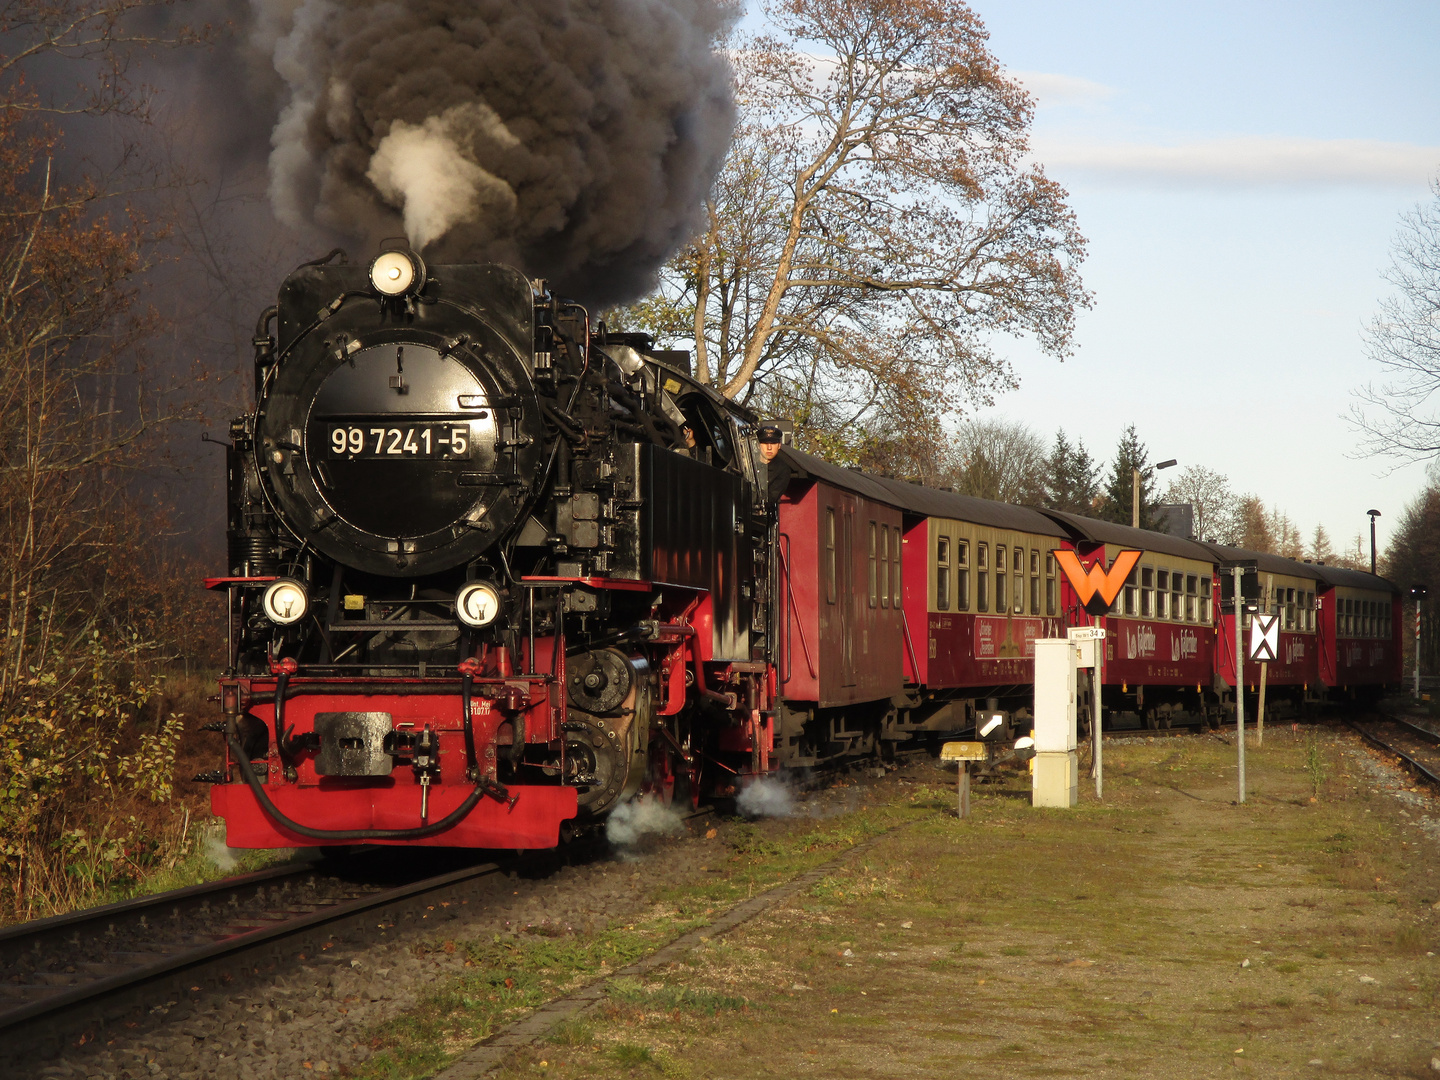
[494, 570]
[491, 572]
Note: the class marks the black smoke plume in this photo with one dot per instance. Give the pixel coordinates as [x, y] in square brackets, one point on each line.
[574, 139]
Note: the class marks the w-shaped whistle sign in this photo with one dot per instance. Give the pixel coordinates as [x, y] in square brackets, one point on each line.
[1097, 587]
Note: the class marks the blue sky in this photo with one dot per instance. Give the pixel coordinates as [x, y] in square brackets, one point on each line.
[1239, 170]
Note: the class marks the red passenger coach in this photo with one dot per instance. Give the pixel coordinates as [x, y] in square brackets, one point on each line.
[980, 586]
[1359, 630]
[842, 642]
[1289, 591]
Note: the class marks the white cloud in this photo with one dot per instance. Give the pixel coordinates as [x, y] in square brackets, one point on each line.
[1050, 88]
[1243, 161]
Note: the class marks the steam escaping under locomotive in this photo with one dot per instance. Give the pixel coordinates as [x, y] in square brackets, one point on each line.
[491, 571]
[494, 570]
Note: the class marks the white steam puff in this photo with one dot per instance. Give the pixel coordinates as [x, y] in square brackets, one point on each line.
[631, 822]
[425, 171]
[572, 138]
[766, 796]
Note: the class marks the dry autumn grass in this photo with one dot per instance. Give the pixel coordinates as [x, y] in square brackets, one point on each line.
[1163, 933]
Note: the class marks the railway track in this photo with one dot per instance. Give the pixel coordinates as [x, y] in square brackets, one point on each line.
[1417, 748]
[64, 976]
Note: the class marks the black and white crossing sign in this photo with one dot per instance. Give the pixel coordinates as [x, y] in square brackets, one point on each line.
[1264, 638]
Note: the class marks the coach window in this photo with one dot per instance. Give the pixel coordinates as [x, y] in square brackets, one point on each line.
[1002, 595]
[1147, 591]
[1192, 589]
[942, 573]
[962, 575]
[1310, 611]
[894, 566]
[874, 570]
[1034, 582]
[884, 566]
[1017, 584]
[1131, 583]
[1050, 584]
[1162, 594]
[1177, 593]
[1205, 599]
[1289, 609]
[831, 574]
[982, 577]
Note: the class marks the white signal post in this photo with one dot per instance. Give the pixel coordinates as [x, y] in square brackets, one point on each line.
[1417, 649]
[1264, 647]
[1097, 753]
[1239, 574]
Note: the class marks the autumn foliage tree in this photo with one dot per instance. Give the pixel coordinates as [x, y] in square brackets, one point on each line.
[81, 601]
[877, 223]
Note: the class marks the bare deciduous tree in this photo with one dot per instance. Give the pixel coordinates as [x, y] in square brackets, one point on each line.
[1209, 493]
[1398, 417]
[876, 222]
[999, 459]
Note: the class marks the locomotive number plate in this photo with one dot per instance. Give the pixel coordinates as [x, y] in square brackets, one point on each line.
[447, 441]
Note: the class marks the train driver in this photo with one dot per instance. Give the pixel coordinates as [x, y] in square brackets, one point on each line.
[777, 469]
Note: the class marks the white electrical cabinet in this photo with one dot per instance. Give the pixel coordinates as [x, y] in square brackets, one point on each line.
[1056, 781]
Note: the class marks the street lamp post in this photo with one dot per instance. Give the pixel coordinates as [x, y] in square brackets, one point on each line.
[1373, 515]
[1135, 490]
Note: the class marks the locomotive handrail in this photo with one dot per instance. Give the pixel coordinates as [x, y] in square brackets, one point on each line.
[790, 592]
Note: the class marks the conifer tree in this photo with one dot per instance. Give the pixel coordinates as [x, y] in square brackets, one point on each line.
[1071, 484]
[1130, 455]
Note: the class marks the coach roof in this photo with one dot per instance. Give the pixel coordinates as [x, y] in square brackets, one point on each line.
[1108, 532]
[924, 501]
[1265, 562]
[1353, 579]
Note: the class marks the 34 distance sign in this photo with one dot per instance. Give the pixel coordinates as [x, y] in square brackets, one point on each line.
[1264, 638]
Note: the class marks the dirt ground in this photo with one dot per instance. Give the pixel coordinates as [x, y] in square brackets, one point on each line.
[1164, 932]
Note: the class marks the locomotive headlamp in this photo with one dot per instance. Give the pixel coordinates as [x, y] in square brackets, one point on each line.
[285, 601]
[477, 604]
[396, 273]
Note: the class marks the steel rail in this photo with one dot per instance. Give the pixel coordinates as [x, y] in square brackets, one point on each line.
[71, 998]
[1424, 734]
[1420, 771]
[25, 933]
[104, 998]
